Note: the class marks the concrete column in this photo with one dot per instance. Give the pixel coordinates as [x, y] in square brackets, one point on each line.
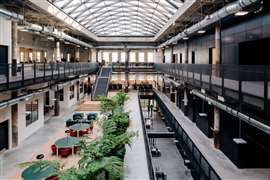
[110, 57]
[186, 52]
[77, 54]
[136, 56]
[97, 52]
[14, 121]
[90, 55]
[171, 54]
[15, 50]
[127, 70]
[119, 55]
[185, 102]
[216, 131]
[163, 55]
[58, 52]
[145, 56]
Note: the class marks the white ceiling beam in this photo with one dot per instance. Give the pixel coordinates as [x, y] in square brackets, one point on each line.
[188, 4]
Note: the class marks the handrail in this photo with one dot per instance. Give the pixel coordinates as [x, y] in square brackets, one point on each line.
[147, 147]
[13, 76]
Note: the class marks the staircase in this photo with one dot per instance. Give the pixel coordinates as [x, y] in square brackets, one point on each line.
[102, 82]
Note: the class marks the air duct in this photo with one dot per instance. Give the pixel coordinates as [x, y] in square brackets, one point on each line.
[230, 9]
[13, 101]
[249, 120]
[11, 15]
[54, 33]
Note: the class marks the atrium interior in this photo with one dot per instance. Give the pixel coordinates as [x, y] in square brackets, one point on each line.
[134, 90]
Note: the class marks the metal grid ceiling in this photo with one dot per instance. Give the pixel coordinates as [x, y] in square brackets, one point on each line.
[120, 17]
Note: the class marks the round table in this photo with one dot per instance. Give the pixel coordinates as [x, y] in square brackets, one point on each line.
[35, 172]
[79, 127]
[66, 142]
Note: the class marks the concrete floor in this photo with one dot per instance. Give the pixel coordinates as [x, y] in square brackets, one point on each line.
[32, 145]
[170, 162]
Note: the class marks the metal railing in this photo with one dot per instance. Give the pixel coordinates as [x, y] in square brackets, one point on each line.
[244, 87]
[199, 166]
[13, 76]
[147, 146]
[133, 65]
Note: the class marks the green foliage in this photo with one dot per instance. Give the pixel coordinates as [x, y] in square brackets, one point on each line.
[41, 164]
[103, 156]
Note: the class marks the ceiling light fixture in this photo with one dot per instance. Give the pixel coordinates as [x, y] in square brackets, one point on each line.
[241, 13]
[201, 31]
[185, 38]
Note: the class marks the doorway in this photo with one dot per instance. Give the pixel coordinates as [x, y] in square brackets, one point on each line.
[174, 58]
[4, 135]
[3, 57]
[193, 57]
[212, 56]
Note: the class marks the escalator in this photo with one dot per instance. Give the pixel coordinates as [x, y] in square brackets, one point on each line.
[102, 82]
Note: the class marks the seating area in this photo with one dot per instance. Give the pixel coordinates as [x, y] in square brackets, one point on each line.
[79, 117]
[80, 125]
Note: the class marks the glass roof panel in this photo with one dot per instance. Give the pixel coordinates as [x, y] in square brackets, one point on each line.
[120, 17]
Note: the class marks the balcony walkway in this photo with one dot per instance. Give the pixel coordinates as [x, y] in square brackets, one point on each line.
[135, 164]
[220, 163]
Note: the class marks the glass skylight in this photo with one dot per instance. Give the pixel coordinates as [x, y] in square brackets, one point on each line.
[120, 17]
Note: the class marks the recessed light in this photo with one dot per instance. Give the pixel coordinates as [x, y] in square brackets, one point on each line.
[241, 13]
[185, 38]
[201, 31]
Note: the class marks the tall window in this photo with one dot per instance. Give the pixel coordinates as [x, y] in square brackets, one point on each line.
[22, 56]
[132, 57]
[106, 56]
[31, 112]
[30, 56]
[72, 92]
[123, 57]
[150, 57]
[81, 87]
[38, 56]
[141, 56]
[114, 56]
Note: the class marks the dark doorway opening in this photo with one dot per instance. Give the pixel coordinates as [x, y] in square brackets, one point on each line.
[3, 58]
[181, 58]
[174, 58]
[193, 57]
[254, 52]
[4, 135]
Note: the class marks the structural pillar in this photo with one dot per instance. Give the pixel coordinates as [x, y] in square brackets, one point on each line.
[186, 53]
[216, 130]
[127, 70]
[77, 54]
[185, 100]
[58, 53]
[90, 56]
[15, 53]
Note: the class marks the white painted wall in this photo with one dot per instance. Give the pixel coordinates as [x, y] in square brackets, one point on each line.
[5, 35]
[26, 131]
[5, 115]
[168, 55]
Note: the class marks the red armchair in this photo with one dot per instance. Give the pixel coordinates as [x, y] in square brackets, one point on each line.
[73, 133]
[53, 148]
[65, 152]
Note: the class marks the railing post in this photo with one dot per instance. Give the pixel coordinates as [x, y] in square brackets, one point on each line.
[265, 93]
[64, 69]
[22, 74]
[35, 71]
[52, 68]
[44, 71]
[7, 76]
[58, 69]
